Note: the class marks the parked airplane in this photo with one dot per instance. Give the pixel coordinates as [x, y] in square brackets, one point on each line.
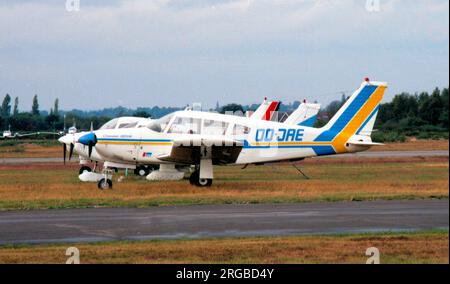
[265, 112]
[203, 139]
[304, 115]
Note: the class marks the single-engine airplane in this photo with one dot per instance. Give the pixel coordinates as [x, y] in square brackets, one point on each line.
[203, 139]
[305, 113]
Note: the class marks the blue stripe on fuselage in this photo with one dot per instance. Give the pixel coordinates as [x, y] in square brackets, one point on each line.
[348, 114]
[320, 150]
[309, 122]
[134, 140]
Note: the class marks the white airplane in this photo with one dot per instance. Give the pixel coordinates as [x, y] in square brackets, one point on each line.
[209, 139]
[265, 112]
[304, 115]
[125, 122]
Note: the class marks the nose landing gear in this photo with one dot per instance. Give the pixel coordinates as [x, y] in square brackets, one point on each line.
[106, 181]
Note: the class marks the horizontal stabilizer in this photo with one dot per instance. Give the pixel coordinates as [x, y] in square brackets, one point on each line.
[358, 143]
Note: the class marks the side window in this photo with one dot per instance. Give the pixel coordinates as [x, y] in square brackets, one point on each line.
[110, 124]
[128, 125]
[214, 127]
[240, 129]
[185, 125]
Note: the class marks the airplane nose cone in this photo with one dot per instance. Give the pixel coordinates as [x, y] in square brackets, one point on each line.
[88, 139]
[65, 139]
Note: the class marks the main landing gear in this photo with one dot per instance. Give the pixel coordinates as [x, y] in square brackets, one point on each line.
[195, 179]
[203, 174]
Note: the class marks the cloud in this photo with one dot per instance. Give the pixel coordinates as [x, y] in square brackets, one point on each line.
[227, 50]
[165, 25]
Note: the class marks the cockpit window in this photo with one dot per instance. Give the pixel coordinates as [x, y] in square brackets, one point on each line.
[128, 124]
[185, 125]
[214, 127]
[110, 124]
[159, 125]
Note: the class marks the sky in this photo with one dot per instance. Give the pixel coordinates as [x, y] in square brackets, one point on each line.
[142, 53]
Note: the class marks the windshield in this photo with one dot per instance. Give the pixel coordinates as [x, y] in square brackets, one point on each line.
[110, 124]
[159, 125]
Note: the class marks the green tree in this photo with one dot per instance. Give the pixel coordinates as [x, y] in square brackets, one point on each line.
[6, 106]
[235, 108]
[35, 106]
[56, 107]
[16, 106]
[142, 113]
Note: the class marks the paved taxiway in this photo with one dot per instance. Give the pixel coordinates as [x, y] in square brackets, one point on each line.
[106, 224]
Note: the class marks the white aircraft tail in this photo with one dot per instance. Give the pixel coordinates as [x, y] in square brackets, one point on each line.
[266, 110]
[305, 115]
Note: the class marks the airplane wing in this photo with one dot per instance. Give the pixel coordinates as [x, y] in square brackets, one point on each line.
[305, 115]
[188, 151]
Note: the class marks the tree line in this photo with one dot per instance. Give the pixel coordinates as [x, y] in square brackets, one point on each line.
[422, 115]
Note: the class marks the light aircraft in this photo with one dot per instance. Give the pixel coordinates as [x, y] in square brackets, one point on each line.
[304, 115]
[265, 112]
[203, 139]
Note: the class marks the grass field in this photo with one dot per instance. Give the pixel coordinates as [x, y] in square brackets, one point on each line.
[43, 186]
[52, 149]
[420, 247]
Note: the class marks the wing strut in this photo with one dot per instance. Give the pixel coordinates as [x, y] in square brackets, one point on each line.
[300, 171]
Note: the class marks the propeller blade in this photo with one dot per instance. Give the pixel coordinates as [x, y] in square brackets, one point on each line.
[64, 153]
[90, 148]
[71, 150]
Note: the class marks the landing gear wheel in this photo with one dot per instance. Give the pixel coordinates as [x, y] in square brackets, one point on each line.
[142, 171]
[84, 169]
[105, 184]
[195, 179]
[204, 182]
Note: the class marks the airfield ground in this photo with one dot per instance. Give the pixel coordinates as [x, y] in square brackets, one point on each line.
[52, 185]
[42, 186]
[417, 247]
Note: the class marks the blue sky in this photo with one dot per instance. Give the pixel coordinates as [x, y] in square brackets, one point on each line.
[175, 52]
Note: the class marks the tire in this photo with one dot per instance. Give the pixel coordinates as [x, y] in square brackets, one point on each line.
[104, 184]
[142, 171]
[204, 182]
[195, 179]
[84, 169]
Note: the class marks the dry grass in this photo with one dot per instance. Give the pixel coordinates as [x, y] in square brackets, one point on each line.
[56, 186]
[414, 145]
[431, 247]
[30, 151]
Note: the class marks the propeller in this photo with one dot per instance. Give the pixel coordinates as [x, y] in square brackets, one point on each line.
[71, 150]
[64, 152]
[71, 147]
[89, 140]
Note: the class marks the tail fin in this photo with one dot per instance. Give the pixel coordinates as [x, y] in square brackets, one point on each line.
[304, 115]
[266, 110]
[356, 116]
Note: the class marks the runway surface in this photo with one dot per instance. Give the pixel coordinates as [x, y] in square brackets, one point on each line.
[106, 224]
[379, 154]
